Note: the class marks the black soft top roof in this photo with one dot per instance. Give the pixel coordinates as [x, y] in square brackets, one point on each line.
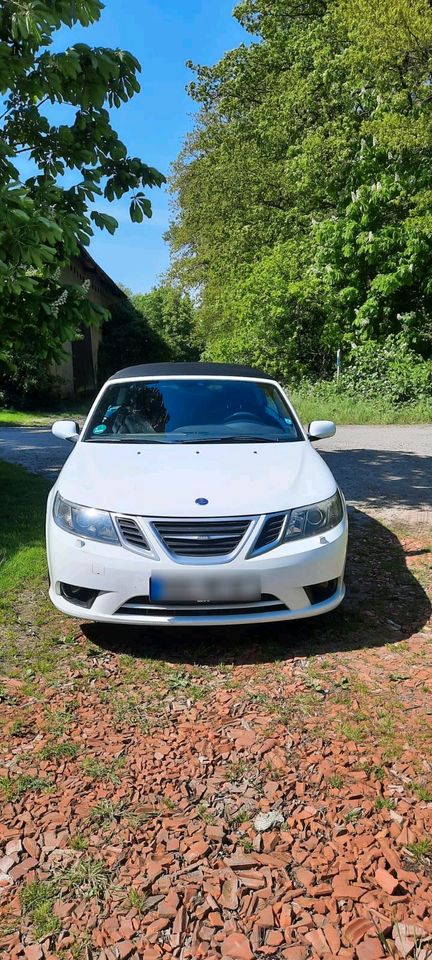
[190, 369]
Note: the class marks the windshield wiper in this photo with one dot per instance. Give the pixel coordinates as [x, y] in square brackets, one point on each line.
[240, 438]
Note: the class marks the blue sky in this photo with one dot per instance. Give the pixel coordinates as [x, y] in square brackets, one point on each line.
[162, 34]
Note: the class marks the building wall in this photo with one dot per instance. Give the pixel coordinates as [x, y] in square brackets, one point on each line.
[64, 372]
[78, 371]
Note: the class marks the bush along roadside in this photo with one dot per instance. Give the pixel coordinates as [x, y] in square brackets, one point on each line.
[379, 383]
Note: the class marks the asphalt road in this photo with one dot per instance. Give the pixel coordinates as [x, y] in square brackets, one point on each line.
[378, 467]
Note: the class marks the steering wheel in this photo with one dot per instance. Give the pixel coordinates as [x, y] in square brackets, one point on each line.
[243, 415]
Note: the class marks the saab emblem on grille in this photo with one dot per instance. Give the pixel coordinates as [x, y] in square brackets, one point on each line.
[202, 501]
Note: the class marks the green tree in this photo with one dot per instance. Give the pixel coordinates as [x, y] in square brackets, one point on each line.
[170, 314]
[127, 339]
[45, 216]
[375, 253]
[302, 196]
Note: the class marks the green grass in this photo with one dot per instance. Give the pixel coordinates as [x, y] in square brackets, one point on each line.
[421, 848]
[87, 879]
[58, 751]
[29, 418]
[37, 902]
[12, 788]
[384, 803]
[353, 732]
[78, 842]
[105, 811]
[22, 520]
[102, 770]
[327, 401]
[422, 792]
[137, 899]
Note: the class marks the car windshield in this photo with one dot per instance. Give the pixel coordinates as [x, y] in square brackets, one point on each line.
[192, 411]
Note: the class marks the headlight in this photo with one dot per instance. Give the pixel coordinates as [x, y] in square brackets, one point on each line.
[314, 519]
[84, 521]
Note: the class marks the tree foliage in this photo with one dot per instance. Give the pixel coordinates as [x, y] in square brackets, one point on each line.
[59, 153]
[147, 328]
[170, 314]
[127, 339]
[303, 193]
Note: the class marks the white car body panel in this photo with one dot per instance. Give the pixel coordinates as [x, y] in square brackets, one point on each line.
[164, 480]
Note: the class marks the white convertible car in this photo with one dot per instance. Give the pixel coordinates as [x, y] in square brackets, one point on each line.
[193, 495]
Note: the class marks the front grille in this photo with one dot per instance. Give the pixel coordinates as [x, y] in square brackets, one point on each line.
[141, 606]
[270, 532]
[132, 533]
[201, 538]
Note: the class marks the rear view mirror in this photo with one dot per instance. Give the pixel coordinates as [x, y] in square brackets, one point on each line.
[66, 430]
[321, 429]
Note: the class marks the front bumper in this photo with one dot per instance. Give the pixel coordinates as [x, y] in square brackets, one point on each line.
[121, 576]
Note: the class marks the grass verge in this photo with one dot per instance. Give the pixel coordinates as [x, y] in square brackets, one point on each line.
[22, 524]
[327, 400]
[31, 418]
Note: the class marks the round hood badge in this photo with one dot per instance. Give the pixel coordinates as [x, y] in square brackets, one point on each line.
[201, 501]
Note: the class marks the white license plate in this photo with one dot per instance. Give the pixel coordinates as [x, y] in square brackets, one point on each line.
[208, 588]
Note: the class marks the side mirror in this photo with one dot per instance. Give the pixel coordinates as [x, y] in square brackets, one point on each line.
[321, 429]
[66, 430]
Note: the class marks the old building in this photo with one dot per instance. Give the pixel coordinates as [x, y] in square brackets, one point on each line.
[78, 371]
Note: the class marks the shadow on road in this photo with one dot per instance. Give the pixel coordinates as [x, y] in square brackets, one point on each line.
[383, 478]
[384, 603]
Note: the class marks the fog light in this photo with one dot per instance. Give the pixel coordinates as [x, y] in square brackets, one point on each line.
[82, 596]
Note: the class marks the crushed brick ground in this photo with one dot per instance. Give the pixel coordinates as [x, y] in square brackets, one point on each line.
[134, 765]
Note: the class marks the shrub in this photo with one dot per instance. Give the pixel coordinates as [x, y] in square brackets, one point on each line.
[391, 370]
[26, 382]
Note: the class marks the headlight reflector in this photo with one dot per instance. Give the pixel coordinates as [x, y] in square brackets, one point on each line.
[316, 518]
[84, 521]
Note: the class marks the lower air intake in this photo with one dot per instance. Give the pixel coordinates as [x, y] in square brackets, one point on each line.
[141, 607]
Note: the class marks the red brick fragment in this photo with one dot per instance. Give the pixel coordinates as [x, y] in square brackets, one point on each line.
[34, 952]
[229, 898]
[215, 919]
[357, 929]
[344, 890]
[318, 941]
[237, 947]
[295, 953]
[304, 876]
[332, 936]
[196, 851]
[125, 948]
[274, 938]
[386, 881]
[370, 949]
[169, 906]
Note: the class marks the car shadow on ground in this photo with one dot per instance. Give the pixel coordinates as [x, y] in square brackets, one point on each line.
[384, 603]
[382, 478]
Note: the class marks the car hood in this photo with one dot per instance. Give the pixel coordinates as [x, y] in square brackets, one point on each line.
[165, 480]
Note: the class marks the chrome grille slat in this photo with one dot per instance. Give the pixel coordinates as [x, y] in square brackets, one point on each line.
[202, 538]
[270, 532]
[132, 533]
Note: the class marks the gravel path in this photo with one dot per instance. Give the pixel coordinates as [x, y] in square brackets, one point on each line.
[381, 468]
[384, 468]
[34, 448]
